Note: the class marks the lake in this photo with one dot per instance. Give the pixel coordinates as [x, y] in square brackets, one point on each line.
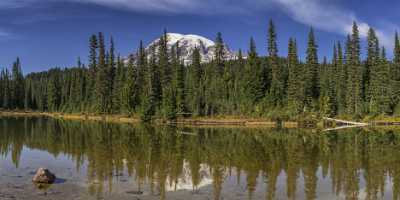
[94, 160]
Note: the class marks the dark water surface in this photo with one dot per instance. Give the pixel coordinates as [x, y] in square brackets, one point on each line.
[95, 160]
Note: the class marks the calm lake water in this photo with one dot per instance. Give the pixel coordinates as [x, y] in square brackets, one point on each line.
[94, 160]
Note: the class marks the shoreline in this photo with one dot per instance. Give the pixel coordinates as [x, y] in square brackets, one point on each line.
[221, 121]
[193, 121]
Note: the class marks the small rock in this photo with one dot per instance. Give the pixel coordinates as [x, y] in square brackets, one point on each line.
[119, 174]
[135, 192]
[44, 176]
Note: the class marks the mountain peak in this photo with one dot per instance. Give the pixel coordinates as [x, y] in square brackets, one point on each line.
[187, 44]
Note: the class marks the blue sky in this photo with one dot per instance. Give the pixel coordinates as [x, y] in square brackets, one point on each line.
[50, 33]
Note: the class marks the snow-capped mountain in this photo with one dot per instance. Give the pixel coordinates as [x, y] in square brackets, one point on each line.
[187, 44]
[185, 181]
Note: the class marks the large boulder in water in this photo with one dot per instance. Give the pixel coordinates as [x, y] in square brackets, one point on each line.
[44, 176]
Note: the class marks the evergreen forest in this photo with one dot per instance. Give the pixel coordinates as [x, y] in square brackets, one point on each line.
[156, 84]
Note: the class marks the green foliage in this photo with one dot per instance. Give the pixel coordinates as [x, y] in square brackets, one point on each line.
[311, 78]
[354, 98]
[296, 86]
[277, 88]
[341, 80]
[102, 83]
[196, 84]
[130, 95]
[180, 72]
[253, 78]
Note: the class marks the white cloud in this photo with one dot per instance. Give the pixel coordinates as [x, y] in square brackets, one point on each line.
[205, 7]
[317, 14]
[162, 6]
[148, 5]
[321, 14]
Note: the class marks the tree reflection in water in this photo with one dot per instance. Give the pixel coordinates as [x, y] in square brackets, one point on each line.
[168, 160]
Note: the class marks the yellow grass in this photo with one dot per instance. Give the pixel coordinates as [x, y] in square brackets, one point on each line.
[196, 121]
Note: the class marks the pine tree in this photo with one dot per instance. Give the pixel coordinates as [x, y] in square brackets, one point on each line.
[17, 86]
[168, 90]
[28, 104]
[82, 85]
[119, 83]
[179, 80]
[169, 103]
[253, 78]
[396, 59]
[101, 84]
[335, 74]
[354, 79]
[53, 93]
[65, 88]
[295, 91]
[380, 102]
[327, 105]
[163, 60]
[152, 101]
[93, 47]
[130, 91]
[219, 53]
[238, 90]
[240, 63]
[372, 65]
[395, 73]
[143, 74]
[311, 71]
[196, 77]
[6, 89]
[110, 62]
[276, 93]
[341, 80]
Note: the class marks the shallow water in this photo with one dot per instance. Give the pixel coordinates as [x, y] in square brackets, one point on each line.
[94, 160]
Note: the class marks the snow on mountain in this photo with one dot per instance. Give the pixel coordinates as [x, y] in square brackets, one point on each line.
[185, 181]
[187, 44]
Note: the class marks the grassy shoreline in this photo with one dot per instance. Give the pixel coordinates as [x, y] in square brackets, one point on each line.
[236, 121]
[192, 121]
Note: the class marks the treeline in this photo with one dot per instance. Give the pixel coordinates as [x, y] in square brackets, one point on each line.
[154, 83]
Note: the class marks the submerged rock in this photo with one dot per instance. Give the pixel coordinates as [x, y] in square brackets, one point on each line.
[135, 192]
[44, 176]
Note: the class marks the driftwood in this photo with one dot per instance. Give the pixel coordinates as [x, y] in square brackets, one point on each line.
[346, 122]
[187, 133]
[342, 127]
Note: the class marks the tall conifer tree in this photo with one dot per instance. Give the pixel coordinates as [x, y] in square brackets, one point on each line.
[93, 51]
[295, 84]
[341, 80]
[101, 84]
[253, 77]
[311, 71]
[372, 65]
[179, 80]
[219, 53]
[354, 79]
[130, 89]
[276, 93]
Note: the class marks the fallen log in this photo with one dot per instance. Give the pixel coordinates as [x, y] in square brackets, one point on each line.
[346, 122]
